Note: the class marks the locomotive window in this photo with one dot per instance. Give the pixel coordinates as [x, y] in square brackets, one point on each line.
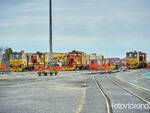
[13, 56]
[72, 60]
[18, 56]
[107, 61]
[141, 58]
[129, 55]
[134, 55]
[111, 62]
[92, 62]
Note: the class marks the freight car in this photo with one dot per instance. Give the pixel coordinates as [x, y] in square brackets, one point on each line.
[136, 60]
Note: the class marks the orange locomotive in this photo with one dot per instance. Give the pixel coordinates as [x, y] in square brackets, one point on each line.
[76, 60]
[95, 61]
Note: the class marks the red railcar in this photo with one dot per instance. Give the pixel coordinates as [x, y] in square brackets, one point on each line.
[95, 61]
[113, 61]
[2, 67]
[148, 65]
[76, 60]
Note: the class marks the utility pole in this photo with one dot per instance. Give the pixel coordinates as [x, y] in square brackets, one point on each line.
[51, 72]
[50, 33]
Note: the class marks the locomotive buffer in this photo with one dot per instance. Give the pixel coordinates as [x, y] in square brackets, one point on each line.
[51, 71]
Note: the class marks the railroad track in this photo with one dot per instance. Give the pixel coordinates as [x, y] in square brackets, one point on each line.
[108, 103]
[108, 100]
[127, 90]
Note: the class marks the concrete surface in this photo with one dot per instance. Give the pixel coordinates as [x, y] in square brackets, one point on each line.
[119, 96]
[68, 92]
[136, 77]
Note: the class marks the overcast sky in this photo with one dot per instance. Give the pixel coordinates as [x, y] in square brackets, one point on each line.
[108, 27]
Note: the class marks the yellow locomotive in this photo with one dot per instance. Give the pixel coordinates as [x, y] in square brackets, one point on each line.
[136, 60]
[18, 61]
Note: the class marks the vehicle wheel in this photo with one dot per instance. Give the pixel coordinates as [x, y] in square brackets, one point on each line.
[56, 73]
[45, 74]
[22, 70]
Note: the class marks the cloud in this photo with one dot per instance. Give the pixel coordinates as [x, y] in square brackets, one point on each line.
[83, 24]
[16, 24]
[25, 7]
[100, 42]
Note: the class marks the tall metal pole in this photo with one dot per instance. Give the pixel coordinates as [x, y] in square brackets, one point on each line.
[50, 32]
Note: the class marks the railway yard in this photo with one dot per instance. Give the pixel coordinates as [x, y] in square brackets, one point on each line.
[76, 92]
[108, 70]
